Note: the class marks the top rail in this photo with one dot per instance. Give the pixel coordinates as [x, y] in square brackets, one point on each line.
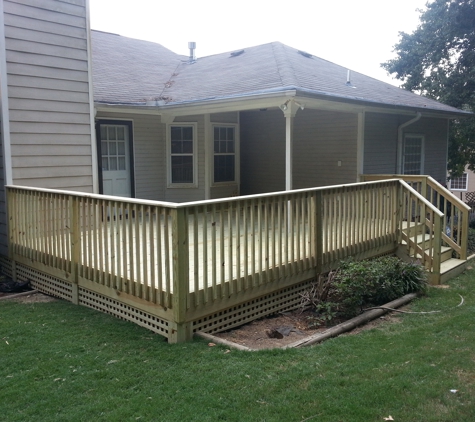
[455, 228]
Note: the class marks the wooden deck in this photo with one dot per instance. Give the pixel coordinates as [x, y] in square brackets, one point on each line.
[187, 262]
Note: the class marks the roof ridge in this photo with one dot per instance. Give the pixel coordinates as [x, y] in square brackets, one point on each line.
[284, 68]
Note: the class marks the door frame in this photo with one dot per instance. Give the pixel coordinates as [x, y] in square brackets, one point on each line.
[117, 122]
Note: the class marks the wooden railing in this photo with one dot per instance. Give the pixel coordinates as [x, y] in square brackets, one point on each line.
[188, 260]
[454, 230]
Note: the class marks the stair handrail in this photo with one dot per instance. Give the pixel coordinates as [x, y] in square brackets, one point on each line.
[457, 208]
[430, 257]
[461, 244]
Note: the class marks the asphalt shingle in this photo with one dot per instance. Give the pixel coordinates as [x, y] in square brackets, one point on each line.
[130, 71]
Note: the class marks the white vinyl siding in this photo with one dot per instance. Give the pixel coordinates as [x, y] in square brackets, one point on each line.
[48, 85]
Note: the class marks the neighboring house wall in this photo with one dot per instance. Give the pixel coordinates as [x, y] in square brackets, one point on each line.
[324, 150]
[381, 142]
[470, 185]
[47, 64]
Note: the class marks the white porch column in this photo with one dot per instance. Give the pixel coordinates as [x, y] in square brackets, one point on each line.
[289, 109]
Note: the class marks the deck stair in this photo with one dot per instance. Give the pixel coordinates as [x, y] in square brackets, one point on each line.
[450, 267]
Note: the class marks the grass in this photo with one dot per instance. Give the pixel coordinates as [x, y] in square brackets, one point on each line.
[60, 362]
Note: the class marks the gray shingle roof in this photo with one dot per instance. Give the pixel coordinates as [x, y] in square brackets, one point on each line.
[130, 71]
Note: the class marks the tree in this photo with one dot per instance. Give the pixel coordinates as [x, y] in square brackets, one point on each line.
[438, 61]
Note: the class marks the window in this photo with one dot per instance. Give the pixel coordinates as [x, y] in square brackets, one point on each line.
[459, 183]
[113, 147]
[413, 154]
[224, 154]
[182, 155]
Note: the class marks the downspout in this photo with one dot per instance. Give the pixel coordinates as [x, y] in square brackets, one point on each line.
[399, 140]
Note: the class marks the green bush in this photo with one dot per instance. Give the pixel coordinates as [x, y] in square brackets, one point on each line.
[359, 284]
[471, 241]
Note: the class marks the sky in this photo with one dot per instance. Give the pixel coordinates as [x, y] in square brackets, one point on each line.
[356, 34]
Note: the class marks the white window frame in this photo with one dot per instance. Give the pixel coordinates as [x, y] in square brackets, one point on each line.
[464, 176]
[194, 154]
[236, 154]
[422, 138]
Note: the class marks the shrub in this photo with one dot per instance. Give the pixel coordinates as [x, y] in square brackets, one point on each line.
[471, 241]
[358, 284]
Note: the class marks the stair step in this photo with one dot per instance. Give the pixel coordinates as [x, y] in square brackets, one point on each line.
[445, 253]
[411, 227]
[451, 268]
[419, 238]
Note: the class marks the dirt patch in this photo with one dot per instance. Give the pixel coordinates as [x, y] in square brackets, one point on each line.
[255, 335]
[27, 297]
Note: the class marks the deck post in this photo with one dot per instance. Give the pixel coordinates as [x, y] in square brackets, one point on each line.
[75, 247]
[436, 259]
[181, 329]
[11, 204]
[424, 187]
[464, 236]
[318, 232]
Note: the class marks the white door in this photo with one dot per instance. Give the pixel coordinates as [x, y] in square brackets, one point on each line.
[115, 159]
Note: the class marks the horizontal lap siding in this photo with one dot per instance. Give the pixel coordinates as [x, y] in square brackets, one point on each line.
[435, 146]
[48, 89]
[3, 213]
[381, 142]
[322, 141]
[262, 151]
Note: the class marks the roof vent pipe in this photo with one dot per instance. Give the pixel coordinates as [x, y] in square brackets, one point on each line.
[192, 47]
[348, 79]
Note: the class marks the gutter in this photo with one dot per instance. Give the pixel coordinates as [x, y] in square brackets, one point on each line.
[399, 140]
[289, 91]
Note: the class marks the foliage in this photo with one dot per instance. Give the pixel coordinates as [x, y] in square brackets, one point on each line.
[356, 284]
[471, 241]
[438, 61]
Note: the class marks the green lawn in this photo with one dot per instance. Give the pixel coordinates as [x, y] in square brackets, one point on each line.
[60, 362]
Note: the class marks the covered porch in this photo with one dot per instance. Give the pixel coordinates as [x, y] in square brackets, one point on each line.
[211, 265]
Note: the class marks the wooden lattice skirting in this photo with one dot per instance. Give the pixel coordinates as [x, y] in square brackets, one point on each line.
[285, 299]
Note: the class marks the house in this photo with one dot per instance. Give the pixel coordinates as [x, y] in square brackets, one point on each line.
[463, 186]
[97, 113]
